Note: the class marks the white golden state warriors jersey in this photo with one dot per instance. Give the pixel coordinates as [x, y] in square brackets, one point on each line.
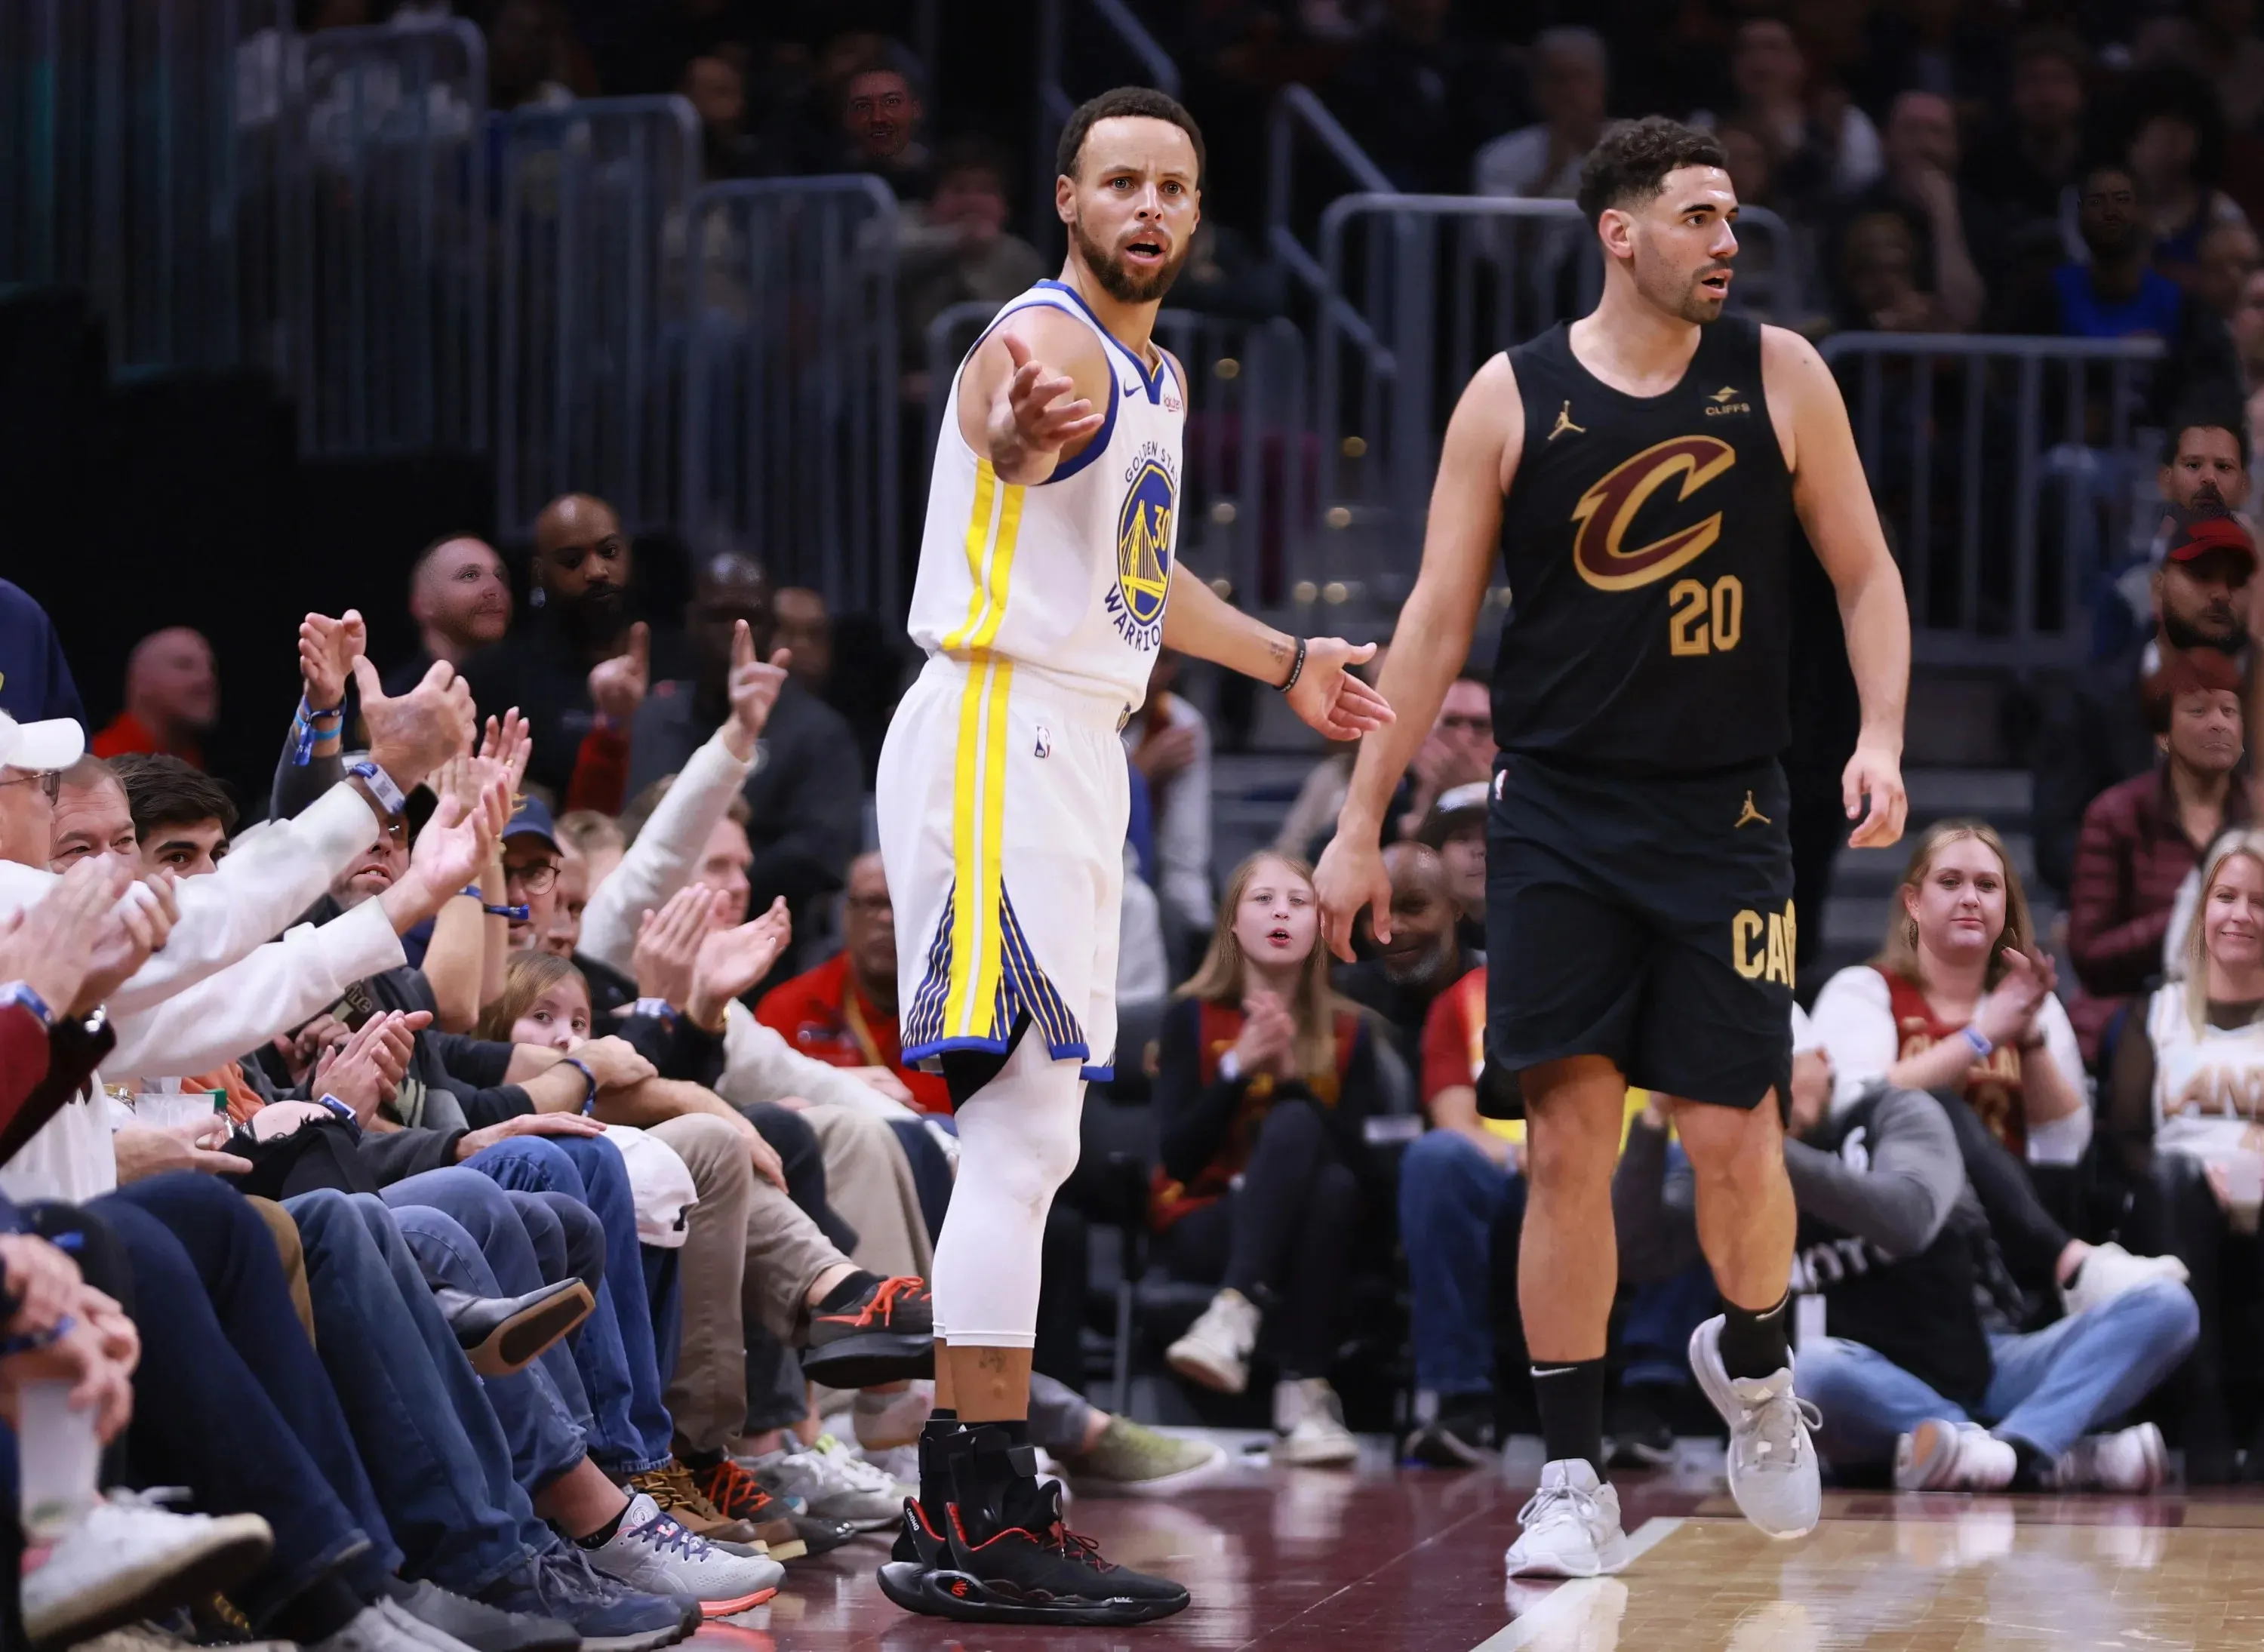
[1068, 574]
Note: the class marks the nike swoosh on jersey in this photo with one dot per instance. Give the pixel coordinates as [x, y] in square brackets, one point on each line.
[1131, 389]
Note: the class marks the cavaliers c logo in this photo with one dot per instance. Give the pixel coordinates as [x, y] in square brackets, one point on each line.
[1606, 508]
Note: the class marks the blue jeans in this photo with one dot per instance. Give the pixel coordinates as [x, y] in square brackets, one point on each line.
[614, 1350]
[229, 1399]
[417, 1407]
[2049, 1388]
[1660, 1317]
[1450, 1196]
[467, 1232]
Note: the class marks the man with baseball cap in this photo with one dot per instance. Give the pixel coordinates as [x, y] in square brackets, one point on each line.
[33, 756]
[1456, 827]
[2198, 592]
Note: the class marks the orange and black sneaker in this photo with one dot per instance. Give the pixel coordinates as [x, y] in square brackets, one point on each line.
[678, 1495]
[1004, 1555]
[739, 1496]
[884, 1333]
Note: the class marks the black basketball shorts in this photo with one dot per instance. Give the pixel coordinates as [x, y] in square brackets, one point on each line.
[1648, 920]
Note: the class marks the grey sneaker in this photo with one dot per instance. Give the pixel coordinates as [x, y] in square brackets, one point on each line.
[1130, 1461]
[654, 1556]
[836, 1483]
[1774, 1473]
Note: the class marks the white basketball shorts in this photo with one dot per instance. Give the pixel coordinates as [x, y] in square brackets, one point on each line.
[1003, 802]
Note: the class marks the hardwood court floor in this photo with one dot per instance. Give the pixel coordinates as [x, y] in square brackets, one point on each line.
[1390, 1560]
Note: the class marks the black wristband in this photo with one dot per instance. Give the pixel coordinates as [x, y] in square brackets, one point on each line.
[1296, 668]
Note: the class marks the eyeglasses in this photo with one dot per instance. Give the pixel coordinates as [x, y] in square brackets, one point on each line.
[50, 781]
[1461, 724]
[536, 878]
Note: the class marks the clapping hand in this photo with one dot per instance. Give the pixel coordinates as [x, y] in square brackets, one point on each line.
[668, 943]
[137, 925]
[327, 650]
[49, 946]
[366, 1071]
[1268, 1033]
[732, 961]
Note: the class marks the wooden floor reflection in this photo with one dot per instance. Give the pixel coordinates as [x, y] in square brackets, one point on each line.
[1390, 1560]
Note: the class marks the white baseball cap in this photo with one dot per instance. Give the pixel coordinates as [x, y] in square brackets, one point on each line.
[55, 743]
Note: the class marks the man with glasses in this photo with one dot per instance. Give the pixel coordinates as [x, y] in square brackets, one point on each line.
[32, 757]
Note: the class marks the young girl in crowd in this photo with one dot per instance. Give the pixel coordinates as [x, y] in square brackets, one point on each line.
[2183, 1097]
[1959, 1000]
[1264, 1081]
[544, 1002]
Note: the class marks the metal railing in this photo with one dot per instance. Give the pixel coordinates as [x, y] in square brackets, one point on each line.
[1418, 292]
[594, 199]
[1127, 36]
[1248, 472]
[2003, 469]
[791, 407]
[133, 138]
[389, 298]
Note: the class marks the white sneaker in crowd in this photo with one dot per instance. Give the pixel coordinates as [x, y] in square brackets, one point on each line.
[132, 1558]
[1773, 1472]
[835, 1483]
[654, 1555]
[2109, 1271]
[881, 1422]
[1215, 1350]
[1310, 1418]
[1940, 1455]
[2128, 1459]
[1570, 1527]
[374, 1629]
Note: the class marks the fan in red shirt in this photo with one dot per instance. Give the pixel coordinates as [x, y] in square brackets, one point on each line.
[844, 1012]
[172, 698]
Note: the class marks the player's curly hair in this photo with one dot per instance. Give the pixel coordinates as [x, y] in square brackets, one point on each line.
[1630, 165]
[1144, 101]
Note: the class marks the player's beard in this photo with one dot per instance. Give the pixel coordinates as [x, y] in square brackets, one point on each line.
[1676, 292]
[1120, 283]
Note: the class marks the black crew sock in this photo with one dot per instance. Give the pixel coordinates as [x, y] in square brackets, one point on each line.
[848, 1291]
[604, 1534]
[1756, 1344]
[318, 1612]
[1570, 1397]
[2030, 1465]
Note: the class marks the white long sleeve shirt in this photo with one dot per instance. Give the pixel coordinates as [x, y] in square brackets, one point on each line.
[277, 986]
[1855, 1020]
[277, 875]
[665, 853]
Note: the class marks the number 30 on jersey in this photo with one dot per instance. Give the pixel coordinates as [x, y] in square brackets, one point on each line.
[1702, 619]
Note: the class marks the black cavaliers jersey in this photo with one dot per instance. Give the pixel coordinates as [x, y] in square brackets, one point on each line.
[1646, 539]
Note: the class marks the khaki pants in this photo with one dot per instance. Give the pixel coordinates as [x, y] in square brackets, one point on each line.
[285, 1233]
[749, 1253]
[869, 1182]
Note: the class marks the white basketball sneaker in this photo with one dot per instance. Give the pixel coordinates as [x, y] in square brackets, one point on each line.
[1571, 1526]
[2129, 1459]
[1774, 1473]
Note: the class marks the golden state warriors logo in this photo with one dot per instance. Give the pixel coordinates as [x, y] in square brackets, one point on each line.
[1143, 547]
[1607, 509]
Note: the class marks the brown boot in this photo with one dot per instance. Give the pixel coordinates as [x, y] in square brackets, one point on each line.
[672, 1488]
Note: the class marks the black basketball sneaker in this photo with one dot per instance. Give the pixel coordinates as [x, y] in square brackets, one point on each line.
[1002, 1554]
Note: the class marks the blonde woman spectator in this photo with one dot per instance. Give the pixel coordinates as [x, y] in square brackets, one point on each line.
[1959, 1000]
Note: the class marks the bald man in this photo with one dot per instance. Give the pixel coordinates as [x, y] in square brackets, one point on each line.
[460, 597]
[172, 697]
[1423, 957]
[581, 620]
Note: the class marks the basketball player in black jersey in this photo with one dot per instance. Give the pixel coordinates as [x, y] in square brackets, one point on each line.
[1642, 469]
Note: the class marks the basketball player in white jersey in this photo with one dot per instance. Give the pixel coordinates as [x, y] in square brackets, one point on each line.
[1047, 583]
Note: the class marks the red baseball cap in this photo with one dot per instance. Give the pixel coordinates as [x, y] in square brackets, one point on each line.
[2205, 528]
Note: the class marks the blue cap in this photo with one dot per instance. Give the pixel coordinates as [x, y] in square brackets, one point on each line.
[531, 819]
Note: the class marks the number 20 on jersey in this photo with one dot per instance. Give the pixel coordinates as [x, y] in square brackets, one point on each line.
[1702, 619]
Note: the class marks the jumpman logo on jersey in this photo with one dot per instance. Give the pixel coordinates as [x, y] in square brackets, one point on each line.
[1749, 816]
[1564, 423]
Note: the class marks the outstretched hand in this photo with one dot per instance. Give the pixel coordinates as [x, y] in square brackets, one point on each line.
[618, 686]
[1043, 412]
[411, 734]
[327, 648]
[754, 688]
[1328, 698]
